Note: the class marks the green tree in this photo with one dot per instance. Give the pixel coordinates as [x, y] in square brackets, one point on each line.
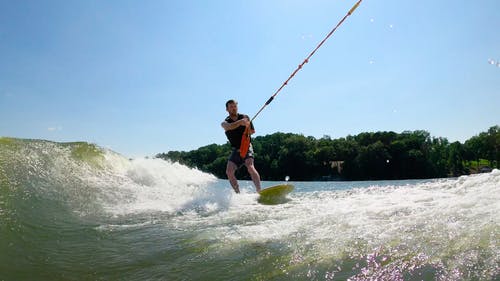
[438, 158]
[455, 158]
[486, 145]
[379, 155]
[372, 161]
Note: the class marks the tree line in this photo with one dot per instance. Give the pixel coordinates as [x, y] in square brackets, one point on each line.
[366, 156]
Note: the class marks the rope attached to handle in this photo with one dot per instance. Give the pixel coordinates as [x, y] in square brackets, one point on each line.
[245, 140]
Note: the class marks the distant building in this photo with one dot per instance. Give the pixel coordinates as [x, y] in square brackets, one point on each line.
[338, 165]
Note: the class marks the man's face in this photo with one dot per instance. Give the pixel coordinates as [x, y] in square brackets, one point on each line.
[232, 108]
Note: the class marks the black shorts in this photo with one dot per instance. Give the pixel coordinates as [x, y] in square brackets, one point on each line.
[236, 158]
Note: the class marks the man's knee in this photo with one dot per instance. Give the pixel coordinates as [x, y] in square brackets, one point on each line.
[251, 169]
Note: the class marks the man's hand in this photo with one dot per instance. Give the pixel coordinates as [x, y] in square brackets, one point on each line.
[245, 122]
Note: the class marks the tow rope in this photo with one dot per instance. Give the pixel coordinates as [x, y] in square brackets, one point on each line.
[245, 140]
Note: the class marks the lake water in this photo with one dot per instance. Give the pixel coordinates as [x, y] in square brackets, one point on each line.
[98, 216]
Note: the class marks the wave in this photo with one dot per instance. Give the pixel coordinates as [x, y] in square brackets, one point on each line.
[89, 178]
[55, 196]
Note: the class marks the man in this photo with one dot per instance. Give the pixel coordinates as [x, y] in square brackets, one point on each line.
[235, 125]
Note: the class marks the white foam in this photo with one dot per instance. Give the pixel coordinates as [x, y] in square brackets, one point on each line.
[438, 218]
[155, 185]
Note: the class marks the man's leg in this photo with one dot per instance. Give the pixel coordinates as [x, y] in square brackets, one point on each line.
[253, 173]
[230, 170]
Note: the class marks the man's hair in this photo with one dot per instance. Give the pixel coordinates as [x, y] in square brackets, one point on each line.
[230, 101]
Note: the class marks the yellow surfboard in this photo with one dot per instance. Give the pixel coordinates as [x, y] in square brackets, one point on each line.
[275, 194]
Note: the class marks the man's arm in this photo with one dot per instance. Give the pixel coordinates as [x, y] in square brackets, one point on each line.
[252, 129]
[231, 126]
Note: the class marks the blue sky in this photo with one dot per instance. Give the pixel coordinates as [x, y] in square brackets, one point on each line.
[143, 77]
